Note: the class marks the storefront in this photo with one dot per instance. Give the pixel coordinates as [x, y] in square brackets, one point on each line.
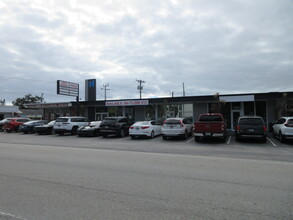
[270, 106]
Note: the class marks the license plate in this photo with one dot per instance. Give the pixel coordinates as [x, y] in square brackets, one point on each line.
[106, 126]
[208, 134]
[251, 130]
[137, 128]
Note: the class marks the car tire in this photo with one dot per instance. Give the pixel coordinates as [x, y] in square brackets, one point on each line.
[74, 130]
[132, 137]
[105, 135]
[164, 137]
[185, 135]
[282, 138]
[197, 139]
[122, 133]
[152, 135]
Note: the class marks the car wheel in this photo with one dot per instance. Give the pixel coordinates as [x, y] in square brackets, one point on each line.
[197, 139]
[74, 130]
[8, 131]
[152, 135]
[164, 137]
[105, 135]
[122, 133]
[185, 136]
[132, 137]
[281, 138]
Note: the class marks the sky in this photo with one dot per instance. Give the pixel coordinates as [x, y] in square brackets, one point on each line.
[226, 47]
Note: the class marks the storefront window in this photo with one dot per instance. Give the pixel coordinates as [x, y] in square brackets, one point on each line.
[115, 111]
[248, 108]
[175, 111]
[261, 109]
[150, 112]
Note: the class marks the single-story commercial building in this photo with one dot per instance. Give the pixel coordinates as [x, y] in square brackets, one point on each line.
[8, 111]
[270, 106]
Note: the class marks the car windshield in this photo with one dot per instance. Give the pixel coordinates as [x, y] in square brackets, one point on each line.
[250, 121]
[109, 120]
[172, 121]
[62, 120]
[51, 123]
[210, 118]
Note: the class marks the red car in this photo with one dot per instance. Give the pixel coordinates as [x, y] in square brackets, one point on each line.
[13, 124]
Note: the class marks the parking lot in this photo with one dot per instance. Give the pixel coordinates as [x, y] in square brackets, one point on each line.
[273, 149]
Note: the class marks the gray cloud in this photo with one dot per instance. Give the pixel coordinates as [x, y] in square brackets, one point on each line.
[231, 47]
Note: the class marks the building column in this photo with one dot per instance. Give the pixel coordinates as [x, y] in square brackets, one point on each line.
[156, 112]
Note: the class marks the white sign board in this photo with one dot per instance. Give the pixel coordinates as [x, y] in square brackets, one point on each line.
[127, 103]
[237, 98]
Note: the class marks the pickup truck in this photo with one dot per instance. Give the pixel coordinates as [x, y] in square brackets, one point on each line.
[210, 125]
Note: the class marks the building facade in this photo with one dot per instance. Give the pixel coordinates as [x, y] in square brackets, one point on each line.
[270, 106]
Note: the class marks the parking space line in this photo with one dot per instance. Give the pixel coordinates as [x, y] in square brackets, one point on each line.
[228, 142]
[272, 142]
[189, 140]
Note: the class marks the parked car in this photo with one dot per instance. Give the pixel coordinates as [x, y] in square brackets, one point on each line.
[2, 122]
[90, 130]
[145, 128]
[283, 129]
[45, 128]
[69, 124]
[118, 126]
[28, 127]
[251, 127]
[14, 123]
[210, 125]
[176, 127]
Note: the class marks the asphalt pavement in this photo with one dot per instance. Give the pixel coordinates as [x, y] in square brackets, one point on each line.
[67, 177]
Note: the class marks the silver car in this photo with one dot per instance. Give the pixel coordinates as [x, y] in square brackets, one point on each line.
[177, 127]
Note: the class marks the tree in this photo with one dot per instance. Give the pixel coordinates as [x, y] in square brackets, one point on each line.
[27, 99]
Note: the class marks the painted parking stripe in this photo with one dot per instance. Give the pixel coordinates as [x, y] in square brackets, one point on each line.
[272, 142]
[11, 216]
[189, 140]
[229, 139]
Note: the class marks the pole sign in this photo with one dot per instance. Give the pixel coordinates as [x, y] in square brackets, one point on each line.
[127, 103]
[67, 88]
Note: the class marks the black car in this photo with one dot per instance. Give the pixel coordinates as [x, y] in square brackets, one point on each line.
[90, 130]
[45, 129]
[28, 127]
[118, 126]
[251, 127]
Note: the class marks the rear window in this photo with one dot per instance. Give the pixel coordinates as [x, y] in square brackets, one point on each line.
[250, 121]
[62, 120]
[290, 121]
[22, 120]
[210, 118]
[78, 120]
[172, 122]
[109, 120]
[142, 123]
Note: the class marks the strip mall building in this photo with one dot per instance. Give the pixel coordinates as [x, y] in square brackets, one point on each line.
[270, 106]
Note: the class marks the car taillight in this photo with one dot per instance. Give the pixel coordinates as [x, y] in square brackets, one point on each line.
[144, 127]
[131, 127]
[237, 128]
[288, 125]
[264, 128]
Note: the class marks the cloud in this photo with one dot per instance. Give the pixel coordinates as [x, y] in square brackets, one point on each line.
[212, 46]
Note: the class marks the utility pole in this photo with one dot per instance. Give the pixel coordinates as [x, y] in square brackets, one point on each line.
[140, 87]
[105, 89]
[183, 90]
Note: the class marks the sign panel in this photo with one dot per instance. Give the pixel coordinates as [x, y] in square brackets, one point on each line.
[127, 103]
[67, 88]
[237, 98]
[90, 90]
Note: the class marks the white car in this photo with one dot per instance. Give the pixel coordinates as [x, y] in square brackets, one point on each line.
[145, 128]
[69, 124]
[177, 127]
[284, 128]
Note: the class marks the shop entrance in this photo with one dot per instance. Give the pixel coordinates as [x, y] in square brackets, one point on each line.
[236, 112]
[100, 116]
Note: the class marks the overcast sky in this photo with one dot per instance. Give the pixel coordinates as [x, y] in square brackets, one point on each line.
[238, 46]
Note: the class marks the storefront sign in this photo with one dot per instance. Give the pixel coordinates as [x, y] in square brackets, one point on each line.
[48, 105]
[127, 103]
[67, 88]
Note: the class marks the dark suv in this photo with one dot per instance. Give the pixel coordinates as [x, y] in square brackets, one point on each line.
[118, 126]
[251, 127]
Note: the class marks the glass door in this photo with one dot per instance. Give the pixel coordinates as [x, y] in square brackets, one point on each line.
[101, 116]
